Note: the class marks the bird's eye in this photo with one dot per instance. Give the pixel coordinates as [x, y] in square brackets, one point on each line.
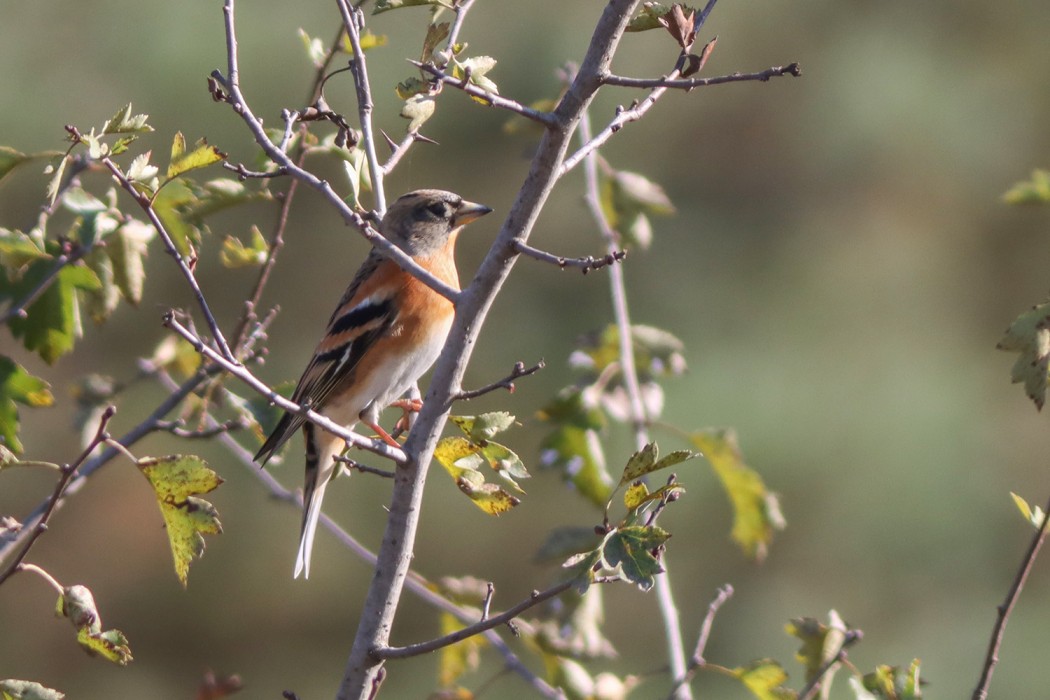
[438, 209]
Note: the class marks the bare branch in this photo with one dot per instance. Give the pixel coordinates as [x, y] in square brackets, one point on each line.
[585, 264]
[697, 661]
[244, 174]
[237, 101]
[687, 84]
[1007, 606]
[486, 623]
[69, 471]
[507, 382]
[169, 245]
[547, 119]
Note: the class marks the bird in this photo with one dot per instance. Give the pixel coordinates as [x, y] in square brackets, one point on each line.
[386, 331]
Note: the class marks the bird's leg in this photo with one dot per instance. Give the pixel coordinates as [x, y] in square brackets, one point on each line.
[383, 435]
[407, 406]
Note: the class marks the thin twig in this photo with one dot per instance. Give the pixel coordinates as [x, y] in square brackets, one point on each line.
[1004, 610]
[532, 601]
[697, 661]
[548, 119]
[584, 264]
[687, 84]
[69, 471]
[18, 308]
[240, 106]
[519, 370]
[51, 580]
[353, 22]
[169, 245]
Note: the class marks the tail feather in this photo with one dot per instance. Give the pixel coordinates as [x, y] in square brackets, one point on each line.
[321, 451]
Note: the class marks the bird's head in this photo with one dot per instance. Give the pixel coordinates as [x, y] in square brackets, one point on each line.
[422, 221]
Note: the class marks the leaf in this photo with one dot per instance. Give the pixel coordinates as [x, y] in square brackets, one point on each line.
[174, 353]
[756, 510]
[11, 689]
[657, 353]
[315, 48]
[649, 17]
[821, 643]
[384, 5]
[178, 480]
[101, 302]
[484, 427]
[894, 683]
[477, 68]
[52, 322]
[631, 549]
[461, 458]
[78, 605]
[436, 33]
[124, 123]
[563, 541]
[171, 205]
[578, 454]
[18, 249]
[1029, 336]
[18, 386]
[625, 196]
[201, 156]
[235, 254]
[765, 679]
[126, 247]
[356, 166]
[1034, 516]
[417, 110]
[1034, 191]
[644, 462]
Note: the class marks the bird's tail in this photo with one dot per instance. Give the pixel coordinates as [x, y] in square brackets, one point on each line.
[321, 450]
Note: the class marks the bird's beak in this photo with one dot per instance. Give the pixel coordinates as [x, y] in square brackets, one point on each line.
[468, 211]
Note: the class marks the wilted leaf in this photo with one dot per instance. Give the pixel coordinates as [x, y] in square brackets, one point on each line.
[417, 110]
[201, 156]
[765, 679]
[1034, 191]
[178, 480]
[1029, 336]
[78, 605]
[756, 510]
[11, 689]
[18, 386]
[631, 548]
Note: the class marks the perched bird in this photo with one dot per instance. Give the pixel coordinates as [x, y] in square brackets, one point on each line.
[387, 330]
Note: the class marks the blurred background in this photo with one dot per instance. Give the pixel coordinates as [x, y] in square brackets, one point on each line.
[840, 268]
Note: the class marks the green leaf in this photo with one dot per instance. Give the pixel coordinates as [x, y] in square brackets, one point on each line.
[477, 67]
[461, 458]
[11, 689]
[578, 454]
[201, 156]
[631, 549]
[126, 248]
[78, 604]
[18, 249]
[123, 122]
[101, 302]
[315, 48]
[484, 427]
[756, 510]
[648, 17]
[657, 353]
[1034, 191]
[894, 683]
[384, 5]
[171, 205]
[52, 322]
[178, 480]
[417, 110]
[17, 386]
[644, 462]
[1029, 336]
[1035, 516]
[235, 254]
[765, 679]
[564, 541]
[820, 643]
[410, 87]
[625, 196]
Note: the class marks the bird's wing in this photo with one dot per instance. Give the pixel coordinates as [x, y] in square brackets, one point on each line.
[363, 316]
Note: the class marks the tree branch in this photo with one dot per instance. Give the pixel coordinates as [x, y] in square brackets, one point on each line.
[687, 84]
[491, 99]
[519, 370]
[1004, 610]
[585, 264]
[696, 661]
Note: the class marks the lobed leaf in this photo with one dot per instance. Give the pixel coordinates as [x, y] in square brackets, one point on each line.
[631, 549]
[123, 122]
[1029, 336]
[17, 386]
[183, 161]
[235, 254]
[765, 680]
[177, 481]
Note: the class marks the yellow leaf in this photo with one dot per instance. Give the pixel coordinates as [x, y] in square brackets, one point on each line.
[177, 480]
[201, 156]
[756, 510]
